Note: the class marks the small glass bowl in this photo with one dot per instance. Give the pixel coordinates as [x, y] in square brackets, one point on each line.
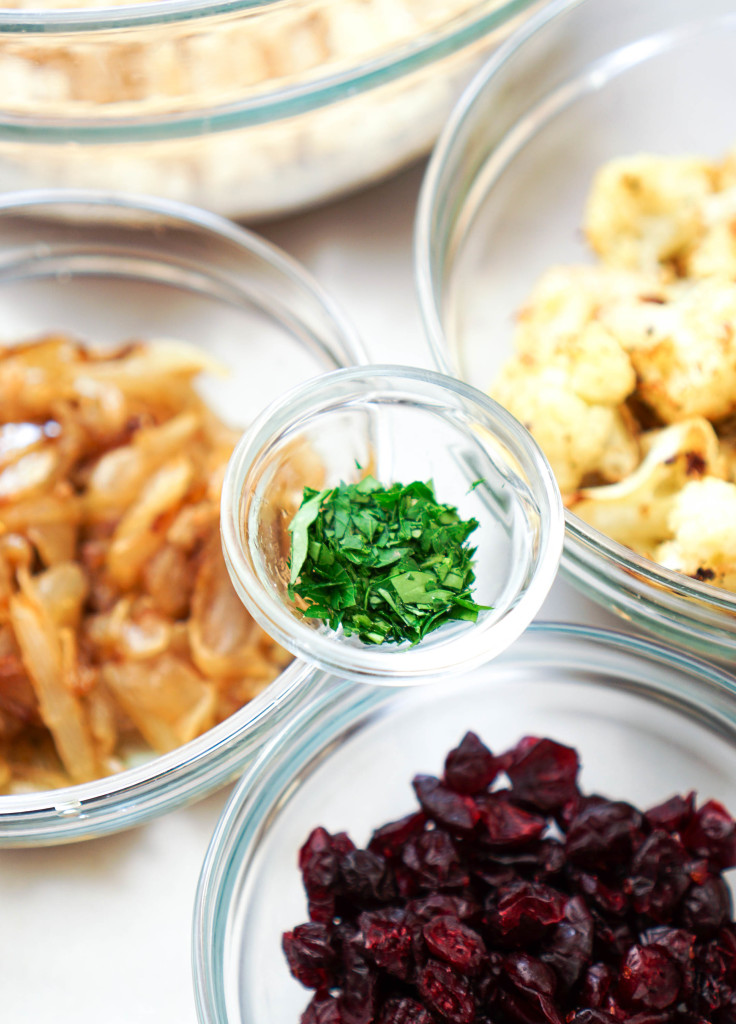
[163, 270]
[582, 82]
[647, 721]
[401, 424]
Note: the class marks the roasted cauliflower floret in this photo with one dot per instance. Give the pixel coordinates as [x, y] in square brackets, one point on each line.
[682, 347]
[715, 252]
[570, 376]
[637, 510]
[578, 434]
[567, 300]
[703, 543]
[644, 211]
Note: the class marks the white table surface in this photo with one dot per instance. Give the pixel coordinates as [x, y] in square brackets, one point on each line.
[100, 932]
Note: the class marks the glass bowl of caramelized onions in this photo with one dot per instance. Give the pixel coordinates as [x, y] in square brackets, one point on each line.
[132, 679]
[576, 260]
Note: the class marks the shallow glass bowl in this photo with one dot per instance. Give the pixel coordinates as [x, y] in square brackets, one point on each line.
[163, 270]
[647, 722]
[582, 82]
[249, 108]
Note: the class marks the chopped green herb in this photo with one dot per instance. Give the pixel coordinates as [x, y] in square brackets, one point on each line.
[388, 564]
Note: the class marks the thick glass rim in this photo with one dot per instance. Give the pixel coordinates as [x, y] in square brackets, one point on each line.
[192, 217]
[428, 266]
[285, 100]
[164, 781]
[334, 709]
[379, 665]
[37, 20]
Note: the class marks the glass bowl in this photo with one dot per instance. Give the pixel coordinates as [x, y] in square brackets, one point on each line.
[404, 424]
[582, 82]
[647, 722]
[163, 270]
[249, 108]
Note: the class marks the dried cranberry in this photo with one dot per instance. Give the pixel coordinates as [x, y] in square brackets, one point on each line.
[405, 1011]
[680, 946]
[507, 825]
[529, 902]
[452, 941]
[550, 859]
[434, 861]
[672, 815]
[447, 993]
[366, 877]
[529, 974]
[715, 975]
[543, 773]
[659, 877]
[528, 1008]
[678, 943]
[603, 833]
[599, 978]
[436, 905]
[319, 864]
[453, 811]
[649, 978]
[612, 938]
[611, 901]
[310, 955]
[318, 861]
[570, 945]
[492, 874]
[388, 841]
[706, 907]
[323, 1009]
[385, 940]
[470, 768]
[711, 833]
[357, 1000]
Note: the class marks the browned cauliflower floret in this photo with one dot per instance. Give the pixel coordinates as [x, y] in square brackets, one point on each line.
[703, 543]
[682, 344]
[577, 436]
[567, 300]
[636, 511]
[645, 210]
[715, 252]
[570, 377]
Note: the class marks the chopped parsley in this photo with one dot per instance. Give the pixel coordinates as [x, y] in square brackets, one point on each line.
[388, 564]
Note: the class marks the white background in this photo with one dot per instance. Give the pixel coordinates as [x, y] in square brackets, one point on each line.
[100, 932]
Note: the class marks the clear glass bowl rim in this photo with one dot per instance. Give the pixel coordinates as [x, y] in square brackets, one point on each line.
[132, 796]
[384, 665]
[262, 106]
[430, 200]
[334, 708]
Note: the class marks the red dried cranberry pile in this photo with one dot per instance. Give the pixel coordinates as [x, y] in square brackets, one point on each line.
[521, 903]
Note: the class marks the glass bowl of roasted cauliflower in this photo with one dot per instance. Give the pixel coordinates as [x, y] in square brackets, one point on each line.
[576, 258]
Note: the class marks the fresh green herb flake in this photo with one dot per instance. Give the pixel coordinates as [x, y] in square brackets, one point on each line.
[387, 564]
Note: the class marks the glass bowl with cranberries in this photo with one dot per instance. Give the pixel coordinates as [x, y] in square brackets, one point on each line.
[546, 840]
